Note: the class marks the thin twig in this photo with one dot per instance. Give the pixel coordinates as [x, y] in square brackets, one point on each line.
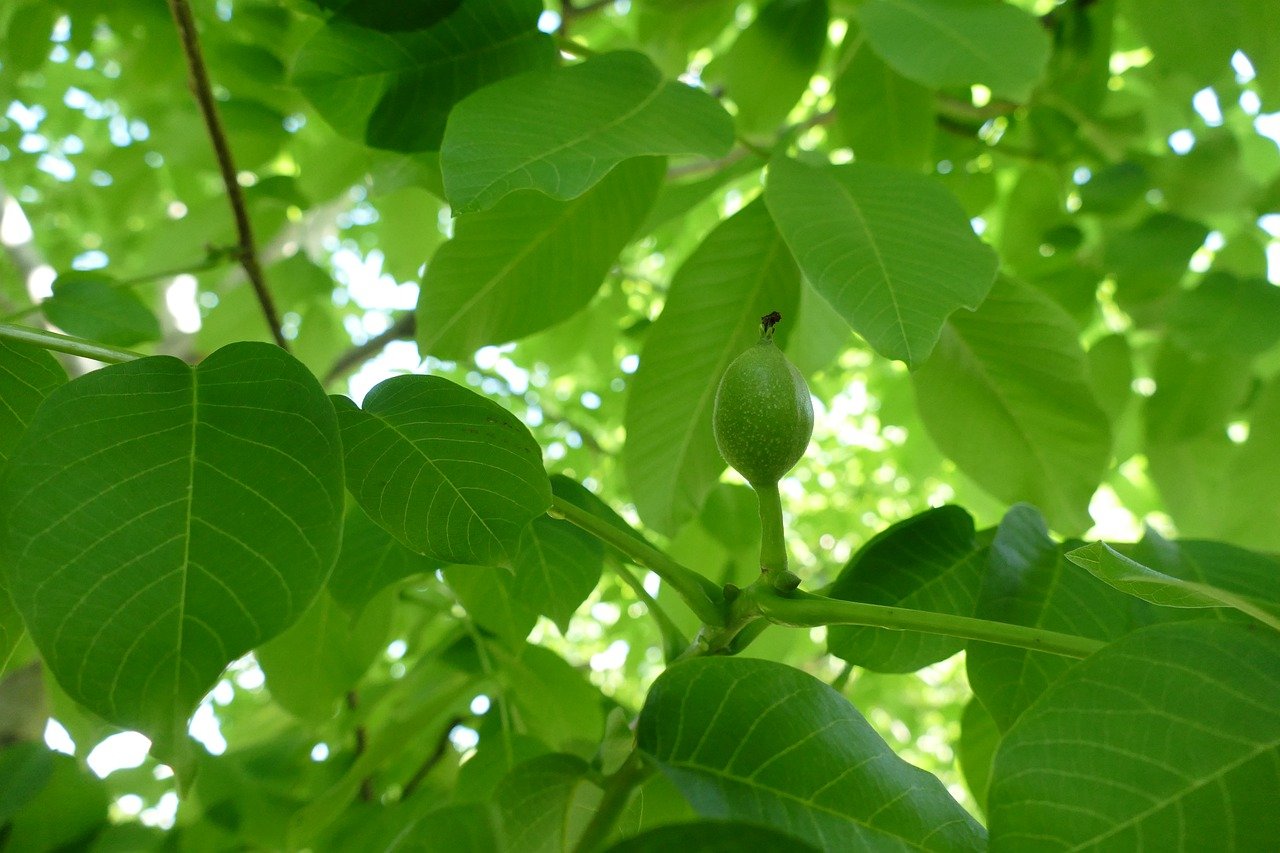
[362, 745]
[437, 754]
[203, 92]
[404, 328]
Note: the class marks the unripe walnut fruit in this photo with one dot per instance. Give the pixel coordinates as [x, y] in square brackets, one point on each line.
[763, 417]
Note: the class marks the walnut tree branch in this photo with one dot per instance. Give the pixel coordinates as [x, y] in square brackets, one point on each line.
[203, 91]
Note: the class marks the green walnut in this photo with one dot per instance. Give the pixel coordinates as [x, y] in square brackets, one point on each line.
[763, 416]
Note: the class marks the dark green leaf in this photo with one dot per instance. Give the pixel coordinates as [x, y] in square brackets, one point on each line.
[395, 89]
[929, 562]
[1194, 766]
[488, 594]
[160, 521]
[1190, 38]
[369, 561]
[1149, 259]
[27, 376]
[449, 473]
[562, 130]
[557, 568]
[461, 828]
[557, 703]
[763, 742]
[979, 739]
[1227, 315]
[1007, 396]
[739, 273]
[1030, 582]
[530, 261]
[769, 65]
[25, 768]
[943, 43]
[64, 814]
[712, 836]
[95, 306]
[891, 251]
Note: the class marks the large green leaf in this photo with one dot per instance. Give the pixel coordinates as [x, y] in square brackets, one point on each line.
[760, 741]
[370, 560]
[884, 117]
[890, 250]
[739, 273]
[449, 473]
[161, 520]
[1007, 396]
[27, 376]
[944, 43]
[311, 666]
[395, 89]
[1030, 582]
[561, 130]
[557, 568]
[545, 803]
[768, 67]
[1166, 740]
[95, 306]
[929, 562]
[712, 836]
[1241, 580]
[530, 261]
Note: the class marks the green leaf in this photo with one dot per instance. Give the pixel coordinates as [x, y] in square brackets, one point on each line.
[929, 562]
[95, 306]
[580, 496]
[311, 666]
[1188, 37]
[945, 43]
[25, 768]
[891, 251]
[488, 595]
[768, 67]
[739, 273]
[65, 814]
[1174, 743]
[1029, 582]
[370, 560]
[395, 89]
[449, 473]
[557, 568]
[884, 117]
[464, 828]
[1149, 259]
[27, 376]
[160, 520]
[1252, 505]
[1243, 581]
[530, 261]
[979, 739]
[760, 741]
[712, 836]
[562, 130]
[1227, 315]
[555, 701]
[1006, 395]
[545, 803]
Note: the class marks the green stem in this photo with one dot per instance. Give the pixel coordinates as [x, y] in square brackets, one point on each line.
[773, 546]
[673, 639]
[802, 609]
[617, 790]
[67, 344]
[698, 592]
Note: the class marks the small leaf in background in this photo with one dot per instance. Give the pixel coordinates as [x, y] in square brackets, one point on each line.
[160, 521]
[557, 568]
[884, 117]
[546, 803]
[1227, 315]
[712, 836]
[370, 560]
[1030, 582]
[1194, 766]
[66, 813]
[1252, 502]
[530, 261]
[766, 743]
[449, 473]
[890, 250]
[1150, 258]
[739, 273]
[95, 306]
[769, 65]
[1006, 395]
[27, 375]
[25, 768]
[554, 699]
[561, 130]
[932, 562]
[488, 595]
[312, 665]
[945, 43]
[1213, 574]
[395, 89]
